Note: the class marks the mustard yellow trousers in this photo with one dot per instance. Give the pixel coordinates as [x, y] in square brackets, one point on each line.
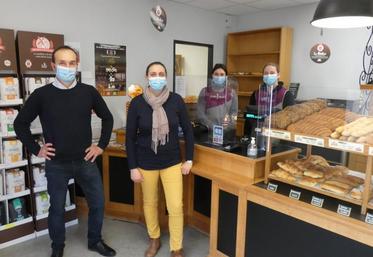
[172, 181]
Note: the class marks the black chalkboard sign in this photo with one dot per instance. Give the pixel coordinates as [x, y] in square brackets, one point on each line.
[293, 88]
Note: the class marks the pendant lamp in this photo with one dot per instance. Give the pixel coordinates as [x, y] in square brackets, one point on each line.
[343, 14]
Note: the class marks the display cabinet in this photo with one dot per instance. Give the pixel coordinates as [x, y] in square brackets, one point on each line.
[335, 187]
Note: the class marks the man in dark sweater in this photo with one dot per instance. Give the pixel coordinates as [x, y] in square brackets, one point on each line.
[65, 109]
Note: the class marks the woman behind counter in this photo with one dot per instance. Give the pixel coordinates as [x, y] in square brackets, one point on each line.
[217, 103]
[152, 145]
[281, 97]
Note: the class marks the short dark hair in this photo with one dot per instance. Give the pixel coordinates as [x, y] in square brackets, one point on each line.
[64, 47]
[272, 64]
[155, 63]
[219, 66]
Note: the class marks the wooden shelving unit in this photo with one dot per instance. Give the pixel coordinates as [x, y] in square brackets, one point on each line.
[248, 52]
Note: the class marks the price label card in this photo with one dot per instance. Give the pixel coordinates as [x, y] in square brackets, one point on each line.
[370, 150]
[309, 140]
[369, 218]
[344, 210]
[317, 201]
[272, 187]
[294, 194]
[346, 146]
[281, 134]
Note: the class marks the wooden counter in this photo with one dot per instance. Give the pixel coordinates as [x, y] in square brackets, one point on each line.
[220, 199]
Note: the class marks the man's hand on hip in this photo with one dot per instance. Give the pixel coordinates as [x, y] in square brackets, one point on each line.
[92, 152]
[46, 151]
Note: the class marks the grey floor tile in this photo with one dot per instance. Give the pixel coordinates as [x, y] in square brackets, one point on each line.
[129, 239]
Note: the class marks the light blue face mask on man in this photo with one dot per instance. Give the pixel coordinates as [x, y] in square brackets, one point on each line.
[270, 79]
[65, 75]
[218, 81]
[157, 83]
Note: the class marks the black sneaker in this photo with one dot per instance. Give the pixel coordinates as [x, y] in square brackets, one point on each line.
[57, 252]
[102, 249]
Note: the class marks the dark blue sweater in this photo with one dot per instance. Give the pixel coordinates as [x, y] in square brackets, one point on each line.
[139, 134]
[65, 116]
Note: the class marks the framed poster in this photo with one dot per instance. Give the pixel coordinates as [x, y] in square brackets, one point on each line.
[8, 58]
[110, 69]
[35, 51]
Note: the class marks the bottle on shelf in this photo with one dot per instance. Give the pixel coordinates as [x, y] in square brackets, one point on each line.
[252, 149]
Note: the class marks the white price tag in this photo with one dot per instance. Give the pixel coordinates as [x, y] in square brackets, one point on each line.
[370, 151]
[316, 201]
[309, 140]
[344, 210]
[369, 218]
[272, 187]
[280, 134]
[294, 194]
[346, 146]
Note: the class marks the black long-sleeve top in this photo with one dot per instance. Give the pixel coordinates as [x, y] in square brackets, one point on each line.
[65, 116]
[139, 134]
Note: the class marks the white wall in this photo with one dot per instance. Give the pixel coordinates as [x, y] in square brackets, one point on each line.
[336, 78]
[124, 22]
[195, 67]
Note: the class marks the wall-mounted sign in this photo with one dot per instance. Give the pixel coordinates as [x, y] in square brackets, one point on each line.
[158, 18]
[320, 53]
[110, 69]
[35, 50]
[7, 52]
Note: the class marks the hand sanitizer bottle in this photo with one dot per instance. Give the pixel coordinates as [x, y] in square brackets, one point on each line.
[252, 150]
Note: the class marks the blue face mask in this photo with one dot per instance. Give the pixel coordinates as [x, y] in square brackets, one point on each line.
[157, 83]
[218, 81]
[270, 79]
[65, 75]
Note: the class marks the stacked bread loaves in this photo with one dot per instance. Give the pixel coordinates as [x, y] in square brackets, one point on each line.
[316, 172]
[360, 131]
[312, 118]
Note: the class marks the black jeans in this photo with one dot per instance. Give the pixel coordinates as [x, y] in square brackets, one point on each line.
[87, 175]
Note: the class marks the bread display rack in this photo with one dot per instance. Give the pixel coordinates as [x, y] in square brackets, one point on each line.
[358, 180]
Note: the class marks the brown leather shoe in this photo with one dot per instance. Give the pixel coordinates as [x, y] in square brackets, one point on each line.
[177, 253]
[154, 245]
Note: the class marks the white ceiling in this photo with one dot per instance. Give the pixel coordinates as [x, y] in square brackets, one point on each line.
[242, 7]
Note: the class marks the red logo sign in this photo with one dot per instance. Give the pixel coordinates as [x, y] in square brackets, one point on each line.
[42, 44]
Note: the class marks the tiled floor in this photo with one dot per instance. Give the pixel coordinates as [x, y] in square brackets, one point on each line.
[129, 239]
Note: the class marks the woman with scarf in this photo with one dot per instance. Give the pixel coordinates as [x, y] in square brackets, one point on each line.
[153, 152]
[217, 103]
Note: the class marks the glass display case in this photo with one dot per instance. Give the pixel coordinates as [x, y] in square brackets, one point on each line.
[317, 123]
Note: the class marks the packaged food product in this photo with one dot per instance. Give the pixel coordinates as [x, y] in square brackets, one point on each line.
[39, 176]
[17, 210]
[15, 181]
[9, 88]
[42, 203]
[7, 117]
[12, 151]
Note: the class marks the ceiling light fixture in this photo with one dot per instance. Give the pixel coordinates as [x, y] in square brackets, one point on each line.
[343, 14]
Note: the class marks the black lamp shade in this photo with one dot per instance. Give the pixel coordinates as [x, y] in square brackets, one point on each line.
[343, 14]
